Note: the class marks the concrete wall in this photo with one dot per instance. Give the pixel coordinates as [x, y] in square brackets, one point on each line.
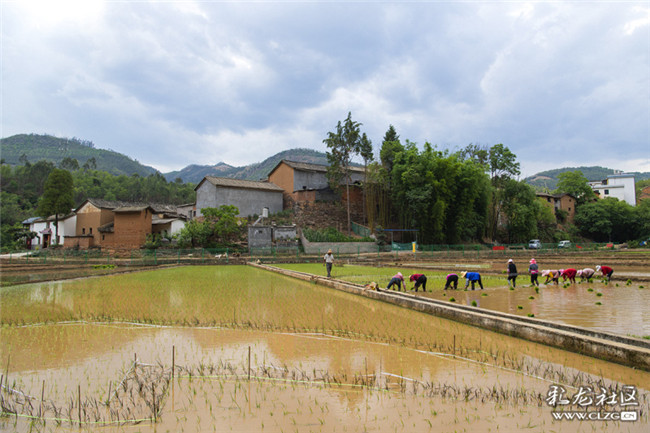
[260, 236]
[248, 201]
[623, 350]
[284, 233]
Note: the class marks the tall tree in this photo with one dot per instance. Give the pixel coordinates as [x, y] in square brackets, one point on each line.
[57, 197]
[503, 166]
[365, 150]
[342, 145]
[575, 183]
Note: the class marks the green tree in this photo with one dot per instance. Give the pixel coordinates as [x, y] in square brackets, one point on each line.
[342, 145]
[575, 183]
[57, 197]
[70, 164]
[521, 209]
[219, 226]
[609, 220]
[503, 166]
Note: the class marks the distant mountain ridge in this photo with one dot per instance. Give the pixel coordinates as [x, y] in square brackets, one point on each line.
[547, 180]
[36, 147]
[195, 173]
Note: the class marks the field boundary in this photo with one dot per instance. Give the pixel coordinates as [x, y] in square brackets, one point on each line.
[628, 351]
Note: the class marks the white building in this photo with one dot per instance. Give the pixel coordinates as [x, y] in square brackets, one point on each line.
[46, 231]
[620, 186]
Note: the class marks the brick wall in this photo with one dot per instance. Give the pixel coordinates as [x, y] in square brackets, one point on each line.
[131, 228]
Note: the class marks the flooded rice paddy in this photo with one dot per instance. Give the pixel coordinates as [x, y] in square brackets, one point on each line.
[320, 360]
[615, 307]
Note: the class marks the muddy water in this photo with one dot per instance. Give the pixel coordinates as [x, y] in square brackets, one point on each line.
[622, 310]
[96, 356]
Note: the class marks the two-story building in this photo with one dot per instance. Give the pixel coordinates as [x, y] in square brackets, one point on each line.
[305, 182]
[565, 202]
[620, 186]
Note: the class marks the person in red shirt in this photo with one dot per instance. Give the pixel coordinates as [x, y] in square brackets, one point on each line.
[569, 274]
[606, 270]
[420, 280]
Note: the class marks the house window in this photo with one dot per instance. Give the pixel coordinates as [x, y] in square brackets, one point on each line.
[103, 236]
[606, 192]
[83, 231]
[90, 230]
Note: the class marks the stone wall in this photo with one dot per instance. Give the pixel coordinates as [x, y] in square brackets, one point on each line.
[326, 214]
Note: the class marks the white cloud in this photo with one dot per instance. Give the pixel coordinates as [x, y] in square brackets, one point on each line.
[174, 83]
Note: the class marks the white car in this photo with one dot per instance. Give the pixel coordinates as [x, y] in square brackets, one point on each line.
[564, 244]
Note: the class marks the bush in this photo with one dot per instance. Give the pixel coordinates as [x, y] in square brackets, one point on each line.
[330, 234]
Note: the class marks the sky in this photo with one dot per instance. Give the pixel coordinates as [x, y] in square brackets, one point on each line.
[173, 83]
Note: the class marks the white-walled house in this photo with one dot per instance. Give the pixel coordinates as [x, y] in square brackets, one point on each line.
[46, 231]
[620, 186]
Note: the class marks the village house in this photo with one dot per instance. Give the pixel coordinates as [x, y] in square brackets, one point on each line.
[305, 182]
[122, 225]
[564, 201]
[250, 197]
[46, 231]
[620, 186]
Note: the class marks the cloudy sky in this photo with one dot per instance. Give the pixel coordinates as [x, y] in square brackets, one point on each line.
[172, 83]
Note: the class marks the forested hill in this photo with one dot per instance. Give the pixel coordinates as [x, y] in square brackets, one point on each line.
[18, 149]
[260, 170]
[547, 180]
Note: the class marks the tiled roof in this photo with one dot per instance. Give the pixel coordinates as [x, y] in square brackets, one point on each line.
[240, 183]
[306, 166]
[115, 204]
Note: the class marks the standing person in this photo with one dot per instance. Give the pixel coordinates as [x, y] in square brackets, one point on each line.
[398, 280]
[329, 260]
[585, 274]
[551, 275]
[512, 273]
[569, 274]
[474, 277]
[420, 280]
[606, 270]
[452, 279]
[533, 270]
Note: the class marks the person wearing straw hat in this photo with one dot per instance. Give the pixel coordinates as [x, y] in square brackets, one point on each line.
[512, 273]
[585, 274]
[329, 260]
[551, 275]
[533, 270]
[474, 277]
[397, 280]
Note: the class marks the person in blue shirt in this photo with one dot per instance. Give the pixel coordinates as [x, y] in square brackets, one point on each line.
[474, 277]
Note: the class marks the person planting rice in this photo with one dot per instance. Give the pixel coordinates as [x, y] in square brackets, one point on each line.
[551, 275]
[585, 274]
[420, 280]
[569, 274]
[606, 270]
[474, 277]
[398, 280]
[452, 279]
[329, 260]
[533, 270]
[512, 273]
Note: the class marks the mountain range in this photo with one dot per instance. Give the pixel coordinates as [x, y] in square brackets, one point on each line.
[21, 148]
